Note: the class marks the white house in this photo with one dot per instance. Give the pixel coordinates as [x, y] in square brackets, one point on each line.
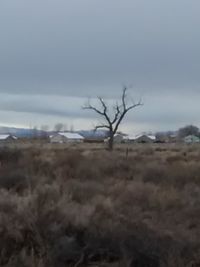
[191, 139]
[118, 138]
[129, 139]
[144, 138]
[7, 138]
[66, 137]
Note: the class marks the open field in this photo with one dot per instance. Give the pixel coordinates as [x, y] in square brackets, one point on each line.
[84, 206]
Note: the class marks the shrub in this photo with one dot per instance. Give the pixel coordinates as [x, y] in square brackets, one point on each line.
[10, 155]
[65, 207]
[15, 181]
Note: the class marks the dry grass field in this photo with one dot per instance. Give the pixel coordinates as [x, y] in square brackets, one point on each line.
[81, 205]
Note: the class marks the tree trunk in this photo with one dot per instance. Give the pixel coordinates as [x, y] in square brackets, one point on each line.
[110, 142]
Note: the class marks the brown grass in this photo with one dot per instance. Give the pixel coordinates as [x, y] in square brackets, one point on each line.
[85, 206]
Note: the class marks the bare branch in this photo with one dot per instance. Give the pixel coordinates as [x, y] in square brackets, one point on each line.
[100, 112]
[117, 113]
[89, 106]
[103, 104]
[105, 109]
[124, 97]
[126, 109]
[101, 127]
[134, 106]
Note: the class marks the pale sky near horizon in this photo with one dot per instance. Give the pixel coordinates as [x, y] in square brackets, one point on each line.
[54, 54]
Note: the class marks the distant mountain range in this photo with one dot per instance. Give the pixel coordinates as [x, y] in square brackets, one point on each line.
[21, 132]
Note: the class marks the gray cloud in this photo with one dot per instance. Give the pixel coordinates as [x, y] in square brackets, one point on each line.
[49, 109]
[88, 48]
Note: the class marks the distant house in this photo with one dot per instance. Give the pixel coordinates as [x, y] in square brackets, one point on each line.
[66, 137]
[4, 138]
[161, 138]
[118, 138]
[190, 139]
[129, 139]
[145, 138]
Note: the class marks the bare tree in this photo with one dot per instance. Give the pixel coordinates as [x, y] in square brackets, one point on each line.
[188, 130]
[58, 127]
[112, 121]
[44, 128]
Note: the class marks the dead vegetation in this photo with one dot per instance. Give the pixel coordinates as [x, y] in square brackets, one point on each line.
[89, 207]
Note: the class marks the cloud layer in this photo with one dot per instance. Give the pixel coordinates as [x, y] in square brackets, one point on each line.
[55, 54]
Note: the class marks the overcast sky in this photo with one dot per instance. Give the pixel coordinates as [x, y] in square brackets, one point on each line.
[54, 54]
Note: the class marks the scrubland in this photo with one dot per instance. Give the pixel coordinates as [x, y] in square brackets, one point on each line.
[84, 206]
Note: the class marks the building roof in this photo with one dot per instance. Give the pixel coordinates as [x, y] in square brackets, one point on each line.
[72, 135]
[135, 137]
[191, 137]
[5, 136]
[129, 137]
[68, 135]
[152, 137]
